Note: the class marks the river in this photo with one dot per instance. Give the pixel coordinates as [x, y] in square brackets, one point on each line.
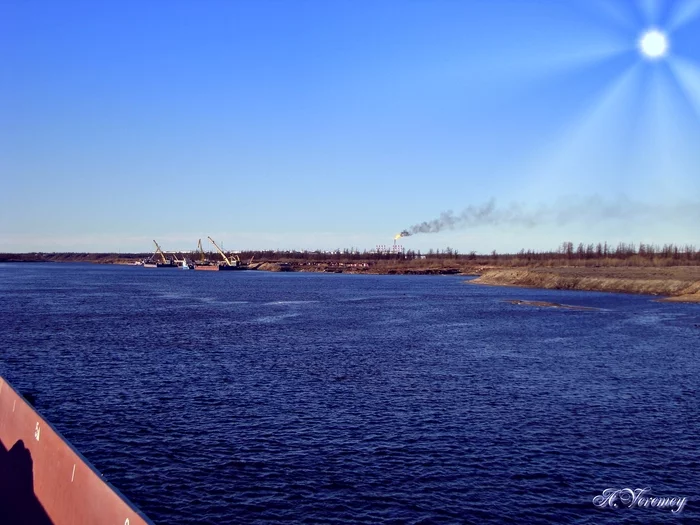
[254, 397]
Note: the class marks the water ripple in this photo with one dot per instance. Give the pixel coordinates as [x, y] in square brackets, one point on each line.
[258, 398]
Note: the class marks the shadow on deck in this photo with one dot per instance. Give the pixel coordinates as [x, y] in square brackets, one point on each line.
[18, 502]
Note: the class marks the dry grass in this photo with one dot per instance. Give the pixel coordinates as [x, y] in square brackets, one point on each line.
[682, 283]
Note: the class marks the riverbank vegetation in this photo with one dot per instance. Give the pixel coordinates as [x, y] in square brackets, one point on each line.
[668, 269]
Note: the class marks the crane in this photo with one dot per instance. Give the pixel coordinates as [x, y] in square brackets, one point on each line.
[160, 252]
[201, 250]
[226, 260]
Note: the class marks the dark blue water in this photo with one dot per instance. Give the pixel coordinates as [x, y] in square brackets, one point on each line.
[256, 397]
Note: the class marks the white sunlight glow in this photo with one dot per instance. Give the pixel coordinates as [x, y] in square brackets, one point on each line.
[654, 44]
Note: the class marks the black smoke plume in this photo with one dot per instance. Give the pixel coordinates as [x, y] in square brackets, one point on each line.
[563, 211]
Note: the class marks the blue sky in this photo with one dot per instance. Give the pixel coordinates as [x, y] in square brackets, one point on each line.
[332, 124]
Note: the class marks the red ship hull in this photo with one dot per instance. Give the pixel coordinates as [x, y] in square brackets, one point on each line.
[44, 480]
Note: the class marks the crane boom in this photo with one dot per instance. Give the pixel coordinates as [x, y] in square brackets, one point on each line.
[228, 263]
[201, 250]
[160, 252]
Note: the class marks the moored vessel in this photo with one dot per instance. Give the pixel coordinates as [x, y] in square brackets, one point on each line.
[206, 267]
[231, 263]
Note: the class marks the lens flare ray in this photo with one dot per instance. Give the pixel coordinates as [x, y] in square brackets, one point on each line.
[688, 75]
[683, 13]
[650, 9]
[614, 12]
[577, 158]
[662, 136]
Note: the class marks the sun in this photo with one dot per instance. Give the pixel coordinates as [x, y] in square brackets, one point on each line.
[653, 44]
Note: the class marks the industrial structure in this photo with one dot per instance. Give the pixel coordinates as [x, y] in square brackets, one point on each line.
[195, 260]
[392, 249]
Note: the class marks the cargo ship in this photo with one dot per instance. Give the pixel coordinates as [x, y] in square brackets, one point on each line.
[215, 267]
[45, 481]
[225, 268]
[231, 262]
[206, 266]
[162, 262]
[166, 264]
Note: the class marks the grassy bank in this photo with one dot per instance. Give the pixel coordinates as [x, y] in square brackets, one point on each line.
[679, 283]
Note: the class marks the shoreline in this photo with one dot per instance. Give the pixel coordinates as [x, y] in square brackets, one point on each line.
[672, 284]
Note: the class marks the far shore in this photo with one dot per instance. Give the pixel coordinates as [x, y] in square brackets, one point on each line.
[672, 280]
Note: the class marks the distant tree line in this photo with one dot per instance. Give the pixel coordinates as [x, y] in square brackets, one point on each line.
[567, 254]
[626, 251]
[603, 253]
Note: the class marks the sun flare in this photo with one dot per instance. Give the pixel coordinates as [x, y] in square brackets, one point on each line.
[654, 44]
